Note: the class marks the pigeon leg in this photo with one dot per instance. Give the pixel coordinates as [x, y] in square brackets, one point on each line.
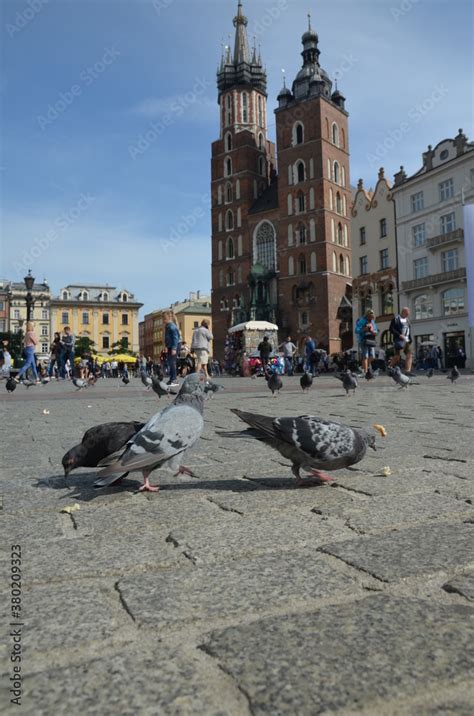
[323, 476]
[302, 482]
[183, 470]
[146, 487]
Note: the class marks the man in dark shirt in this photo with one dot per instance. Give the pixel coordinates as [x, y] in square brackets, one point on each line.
[264, 348]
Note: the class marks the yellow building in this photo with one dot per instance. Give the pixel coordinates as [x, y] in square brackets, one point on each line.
[190, 318]
[103, 314]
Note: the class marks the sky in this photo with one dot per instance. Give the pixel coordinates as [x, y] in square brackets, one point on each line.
[109, 107]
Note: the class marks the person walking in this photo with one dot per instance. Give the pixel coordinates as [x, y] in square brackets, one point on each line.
[366, 331]
[30, 342]
[400, 328]
[289, 350]
[309, 349]
[172, 340]
[5, 361]
[265, 349]
[201, 346]
[56, 351]
[68, 340]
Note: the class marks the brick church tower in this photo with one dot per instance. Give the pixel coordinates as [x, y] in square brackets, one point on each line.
[281, 244]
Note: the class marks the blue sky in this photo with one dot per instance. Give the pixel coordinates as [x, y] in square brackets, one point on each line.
[109, 109]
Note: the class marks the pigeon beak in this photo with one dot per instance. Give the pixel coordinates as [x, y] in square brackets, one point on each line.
[373, 448]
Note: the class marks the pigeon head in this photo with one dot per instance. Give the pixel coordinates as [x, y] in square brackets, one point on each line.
[369, 439]
[194, 384]
[72, 459]
[211, 388]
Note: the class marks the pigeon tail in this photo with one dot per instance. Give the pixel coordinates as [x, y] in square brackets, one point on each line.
[260, 422]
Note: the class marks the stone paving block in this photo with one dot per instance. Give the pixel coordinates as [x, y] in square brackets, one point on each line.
[402, 481]
[162, 681]
[347, 655]
[247, 536]
[394, 511]
[421, 550]
[287, 498]
[34, 525]
[462, 584]
[243, 587]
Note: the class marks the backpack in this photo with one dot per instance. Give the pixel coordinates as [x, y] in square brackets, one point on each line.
[360, 326]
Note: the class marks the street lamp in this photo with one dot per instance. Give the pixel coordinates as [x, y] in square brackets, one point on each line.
[30, 301]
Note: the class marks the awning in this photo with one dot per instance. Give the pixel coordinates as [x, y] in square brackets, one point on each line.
[254, 326]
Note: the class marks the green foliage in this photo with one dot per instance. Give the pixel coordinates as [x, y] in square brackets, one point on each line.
[120, 346]
[84, 345]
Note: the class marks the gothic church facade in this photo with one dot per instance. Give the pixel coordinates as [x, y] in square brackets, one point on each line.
[281, 248]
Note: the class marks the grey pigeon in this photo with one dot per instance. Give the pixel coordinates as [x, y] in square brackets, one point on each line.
[10, 385]
[371, 374]
[79, 383]
[274, 382]
[160, 388]
[46, 380]
[146, 380]
[306, 381]
[309, 442]
[349, 381]
[125, 380]
[400, 378]
[430, 373]
[454, 375]
[99, 442]
[164, 440]
[29, 383]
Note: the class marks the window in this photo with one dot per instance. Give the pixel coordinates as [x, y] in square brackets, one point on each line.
[383, 228]
[196, 324]
[228, 193]
[237, 189]
[298, 133]
[446, 189]
[448, 223]
[386, 301]
[84, 296]
[124, 298]
[260, 112]
[313, 261]
[260, 141]
[300, 171]
[364, 265]
[44, 348]
[341, 263]
[228, 167]
[335, 134]
[362, 235]
[230, 248]
[423, 307]
[105, 342]
[384, 259]
[336, 172]
[261, 166]
[65, 295]
[228, 110]
[449, 260]
[245, 107]
[453, 301]
[16, 314]
[230, 278]
[420, 267]
[303, 319]
[44, 330]
[229, 220]
[302, 264]
[416, 200]
[301, 203]
[302, 233]
[291, 266]
[105, 296]
[124, 319]
[228, 142]
[105, 319]
[340, 235]
[265, 246]
[419, 235]
[44, 314]
[85, 318]
[65, 318]
[338, 204]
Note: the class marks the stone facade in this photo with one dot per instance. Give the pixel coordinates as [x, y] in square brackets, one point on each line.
[14, 311]
[281, 243]
[431, 261]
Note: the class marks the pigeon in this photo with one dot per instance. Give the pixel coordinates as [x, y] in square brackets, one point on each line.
[10, 385]
[210, 388]
[430, 373]
[160, 388]
[92, 380]
[274, 382]
[371, 374]
[99, 442]
[125, 380]
[46, 380]
[309, 442]
[400, 378]
[349, 381]
[163, 441]
[146, 380]
[306, 381]
[79, 383]
[454, 375]
[29, 383]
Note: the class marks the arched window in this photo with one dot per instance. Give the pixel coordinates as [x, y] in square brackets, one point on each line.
[313, 261]
[340, 235]
[239, 217]
[219, 251]
[260, 111]
[65, 295]
[290, 205]
[261, 166]
[298, 133]
[302, 233]
[347, 266]
[343, 180]
[336, 172]
[228, 167]
[228, 193]
[300, 173]
[327, 128]
[311, 198]
[228, 110]
[230, 248]
[245, 107]
[346, 239]
[335, 134]
[333, 231]
[304, 319]
[230, 278]
[334, 262]
[239, 246]
[124, 297]
[239, 274]
[228, 142]
[423, 306]
[291, 266]
[343, 139]
[229, 220]
[301, 203]
[331, 199]
[237, 189]
[290, 234]
[236, 301]
[260, 141]
[312, 230]
[265, 246]
[219, 195]
[302, 264]
[338, 204]
[341, 263]
[105, 296]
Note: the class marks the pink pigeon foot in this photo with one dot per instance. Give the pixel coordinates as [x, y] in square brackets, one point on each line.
[320, 475]
[146, 487]
[183, 470]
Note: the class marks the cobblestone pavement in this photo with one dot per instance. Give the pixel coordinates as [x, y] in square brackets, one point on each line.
[234, 592]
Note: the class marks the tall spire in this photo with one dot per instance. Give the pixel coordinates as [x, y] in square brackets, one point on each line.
[241, 49]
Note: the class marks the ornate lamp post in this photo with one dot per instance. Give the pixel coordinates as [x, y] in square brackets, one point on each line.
[30, 301]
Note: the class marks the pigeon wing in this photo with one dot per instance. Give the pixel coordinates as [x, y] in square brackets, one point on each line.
[321, 439]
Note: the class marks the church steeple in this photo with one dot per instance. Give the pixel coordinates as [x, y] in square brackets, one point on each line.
[242, 68]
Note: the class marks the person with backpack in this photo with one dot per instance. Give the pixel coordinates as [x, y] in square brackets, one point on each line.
[201, 346]
[172, 341]
[400, 328]
[265, 349]
[366, 331]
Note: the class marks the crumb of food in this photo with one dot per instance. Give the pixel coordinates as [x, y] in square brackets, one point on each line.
[381, 430]
[386, 471]
[71, 508]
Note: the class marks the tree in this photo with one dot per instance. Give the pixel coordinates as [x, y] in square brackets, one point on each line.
[83, 345]
[120, 346]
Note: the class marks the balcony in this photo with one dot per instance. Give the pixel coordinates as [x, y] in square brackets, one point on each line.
[456, 236]
[434, 279]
